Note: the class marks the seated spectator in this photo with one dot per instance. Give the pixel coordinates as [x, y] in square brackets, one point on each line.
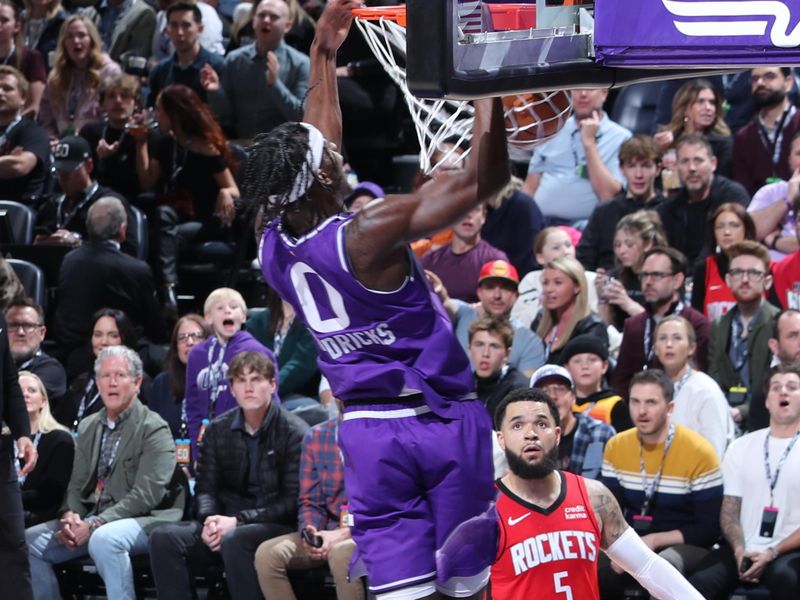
[513, 219]
[761, 148]
[640, 164]
[760, 512]
[490, 341]
[61, 219]
[364, 193]
[125, 26]
[699, 403]
[583, 438]
[663, 274]
[24, 148]
[620, 291]
[586, 359]
[70, 97]
[190, 169]
[113, 148]
[184, 26]
[27, 60]
[294, 347]
[322, 511]
[110, 278]
[698, 108]
[111, 328]
[246, 489]
[210, 35]
[565, 310]
[169, 387]
[685, 214]
[208, 394]
[738, 353]
[786, 275]
[728, 225]
[264, 83]
[108, 512]
[551, 243]
[26, 332]
[43, 488]
[41, 23]
[666, 479]
[459, 263]
[497, 291]
[773, 211]
[579, 167]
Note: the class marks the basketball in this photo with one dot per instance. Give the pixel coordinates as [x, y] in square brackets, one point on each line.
[534, 118]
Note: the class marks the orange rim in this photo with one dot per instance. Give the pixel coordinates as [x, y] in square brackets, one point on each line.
[375, 13]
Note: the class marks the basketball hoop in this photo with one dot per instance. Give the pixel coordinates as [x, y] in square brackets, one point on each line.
[435, 121]
[443, 125]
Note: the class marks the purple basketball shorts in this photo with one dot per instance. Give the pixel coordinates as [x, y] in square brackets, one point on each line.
[412, 478]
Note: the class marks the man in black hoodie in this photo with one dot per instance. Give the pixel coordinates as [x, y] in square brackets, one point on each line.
[490, 341]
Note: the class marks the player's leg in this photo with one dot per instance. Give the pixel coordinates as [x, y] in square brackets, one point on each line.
[458, 469]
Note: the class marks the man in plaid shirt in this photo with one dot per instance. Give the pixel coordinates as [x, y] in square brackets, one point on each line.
[322, 514]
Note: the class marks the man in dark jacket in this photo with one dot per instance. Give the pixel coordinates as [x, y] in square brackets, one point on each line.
[685, 215]
[247, 487]
[490, 340]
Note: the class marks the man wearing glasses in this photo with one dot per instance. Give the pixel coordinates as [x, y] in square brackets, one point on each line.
[662, 276]
[739, 356]
[26, 331]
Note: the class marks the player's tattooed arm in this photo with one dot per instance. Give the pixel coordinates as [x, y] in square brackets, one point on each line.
[607, 511]
[730, 522]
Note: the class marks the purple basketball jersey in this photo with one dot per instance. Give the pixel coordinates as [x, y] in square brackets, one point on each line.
[372, 345]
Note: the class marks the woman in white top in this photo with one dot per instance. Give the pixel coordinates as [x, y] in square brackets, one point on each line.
[551, 243]
[699, 401]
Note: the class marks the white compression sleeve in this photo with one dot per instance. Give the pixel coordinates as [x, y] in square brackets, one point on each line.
[655, 574]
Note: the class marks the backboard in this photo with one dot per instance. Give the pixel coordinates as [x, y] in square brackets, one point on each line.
[464, 49]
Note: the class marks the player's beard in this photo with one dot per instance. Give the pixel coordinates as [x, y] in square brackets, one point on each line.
[539, 470]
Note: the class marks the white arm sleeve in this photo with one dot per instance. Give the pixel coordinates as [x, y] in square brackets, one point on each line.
[655, 574]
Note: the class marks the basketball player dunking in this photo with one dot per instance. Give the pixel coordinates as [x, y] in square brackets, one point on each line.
[553, 524]
[416, 443]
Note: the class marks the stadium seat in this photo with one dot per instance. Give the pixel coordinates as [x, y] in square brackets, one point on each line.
[21, 219]
[635, 107]
[32, 279]
[139, 229]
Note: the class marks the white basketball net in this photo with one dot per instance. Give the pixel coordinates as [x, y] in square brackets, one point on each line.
[436, 121]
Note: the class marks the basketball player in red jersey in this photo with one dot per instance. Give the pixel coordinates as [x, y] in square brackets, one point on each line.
[553, 524]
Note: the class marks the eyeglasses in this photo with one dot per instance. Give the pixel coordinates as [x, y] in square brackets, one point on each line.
[657, 275]
[752, 274]
[195, 337]
[28, 328]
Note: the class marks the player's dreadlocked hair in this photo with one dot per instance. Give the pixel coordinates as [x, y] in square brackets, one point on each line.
[274, 162]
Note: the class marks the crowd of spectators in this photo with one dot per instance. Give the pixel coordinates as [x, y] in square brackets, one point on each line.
[576, 280]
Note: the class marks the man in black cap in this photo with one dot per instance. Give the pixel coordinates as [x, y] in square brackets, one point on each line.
[61, 220]
[586, 359]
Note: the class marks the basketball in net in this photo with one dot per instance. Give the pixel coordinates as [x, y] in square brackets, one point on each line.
[534, 118]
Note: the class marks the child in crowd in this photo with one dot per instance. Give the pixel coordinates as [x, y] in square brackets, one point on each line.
[207, 392]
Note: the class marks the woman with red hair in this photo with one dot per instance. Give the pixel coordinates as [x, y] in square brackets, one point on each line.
[190, 171]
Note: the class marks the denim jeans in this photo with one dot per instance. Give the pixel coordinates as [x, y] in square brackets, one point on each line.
[110, 547]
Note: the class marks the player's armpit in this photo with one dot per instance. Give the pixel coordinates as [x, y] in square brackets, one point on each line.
[606, 509]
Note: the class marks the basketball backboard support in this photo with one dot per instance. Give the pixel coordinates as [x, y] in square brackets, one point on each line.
[465, 49]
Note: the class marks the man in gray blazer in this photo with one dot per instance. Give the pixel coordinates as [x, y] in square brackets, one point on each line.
[126, 26]
[124, 484]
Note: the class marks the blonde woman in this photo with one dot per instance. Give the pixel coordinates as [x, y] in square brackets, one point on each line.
[550, 243]
[71, 96]
[698, 108]
[565, 308]
[43, 488]
[620, 291]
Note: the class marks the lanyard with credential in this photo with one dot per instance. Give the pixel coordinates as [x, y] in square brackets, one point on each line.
[684, 378]
[9, 127]
[83, 407]
[17, 457]
[772, 480]
[651, 488]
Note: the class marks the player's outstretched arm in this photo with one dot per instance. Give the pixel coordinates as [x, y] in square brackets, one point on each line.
[627, 549]
[322, 105]
[376, 237]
